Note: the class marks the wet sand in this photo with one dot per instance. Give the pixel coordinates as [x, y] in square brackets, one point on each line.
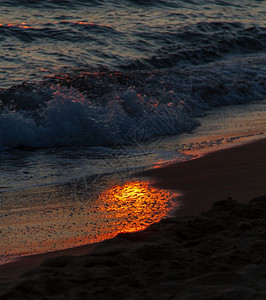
[50, 218]
[219, 254]
[238, 172]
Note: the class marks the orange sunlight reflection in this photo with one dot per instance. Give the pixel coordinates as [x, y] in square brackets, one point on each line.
[129, 207]
[22, 25]
[137, 203]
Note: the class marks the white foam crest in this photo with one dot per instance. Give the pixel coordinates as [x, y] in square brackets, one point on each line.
[70, 119]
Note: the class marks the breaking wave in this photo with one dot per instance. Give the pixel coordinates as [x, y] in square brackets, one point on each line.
[104, 108]
[70, 119]
[101, 73]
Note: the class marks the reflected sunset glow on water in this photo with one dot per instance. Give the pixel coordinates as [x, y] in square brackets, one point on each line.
[134, 205]
[128, 207]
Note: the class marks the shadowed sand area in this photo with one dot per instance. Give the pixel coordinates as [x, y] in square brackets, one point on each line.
[219, 254]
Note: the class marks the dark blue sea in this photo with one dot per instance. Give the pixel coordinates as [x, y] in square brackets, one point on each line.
[82, 79]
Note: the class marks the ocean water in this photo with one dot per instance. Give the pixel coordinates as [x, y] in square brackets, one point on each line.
[88, 87]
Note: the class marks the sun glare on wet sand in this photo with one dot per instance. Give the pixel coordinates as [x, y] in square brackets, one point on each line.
[135, 205]
[127, 207]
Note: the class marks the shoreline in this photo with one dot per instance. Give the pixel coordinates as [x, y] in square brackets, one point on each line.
[211, 184]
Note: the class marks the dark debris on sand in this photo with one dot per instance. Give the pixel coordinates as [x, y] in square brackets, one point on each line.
[217, 255]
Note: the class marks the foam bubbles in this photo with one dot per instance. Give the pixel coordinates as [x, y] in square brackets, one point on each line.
[70, 119]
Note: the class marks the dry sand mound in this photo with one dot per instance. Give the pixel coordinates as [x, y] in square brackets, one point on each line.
[217, 255]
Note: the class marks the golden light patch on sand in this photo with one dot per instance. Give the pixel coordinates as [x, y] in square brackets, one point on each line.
[65, 223]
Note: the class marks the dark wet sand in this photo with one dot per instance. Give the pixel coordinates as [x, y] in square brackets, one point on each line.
[238, 172]
[216, 255]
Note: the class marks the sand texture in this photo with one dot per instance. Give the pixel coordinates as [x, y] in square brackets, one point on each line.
[217, 255]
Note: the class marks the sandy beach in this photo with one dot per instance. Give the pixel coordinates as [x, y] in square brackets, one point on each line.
[214, 247]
